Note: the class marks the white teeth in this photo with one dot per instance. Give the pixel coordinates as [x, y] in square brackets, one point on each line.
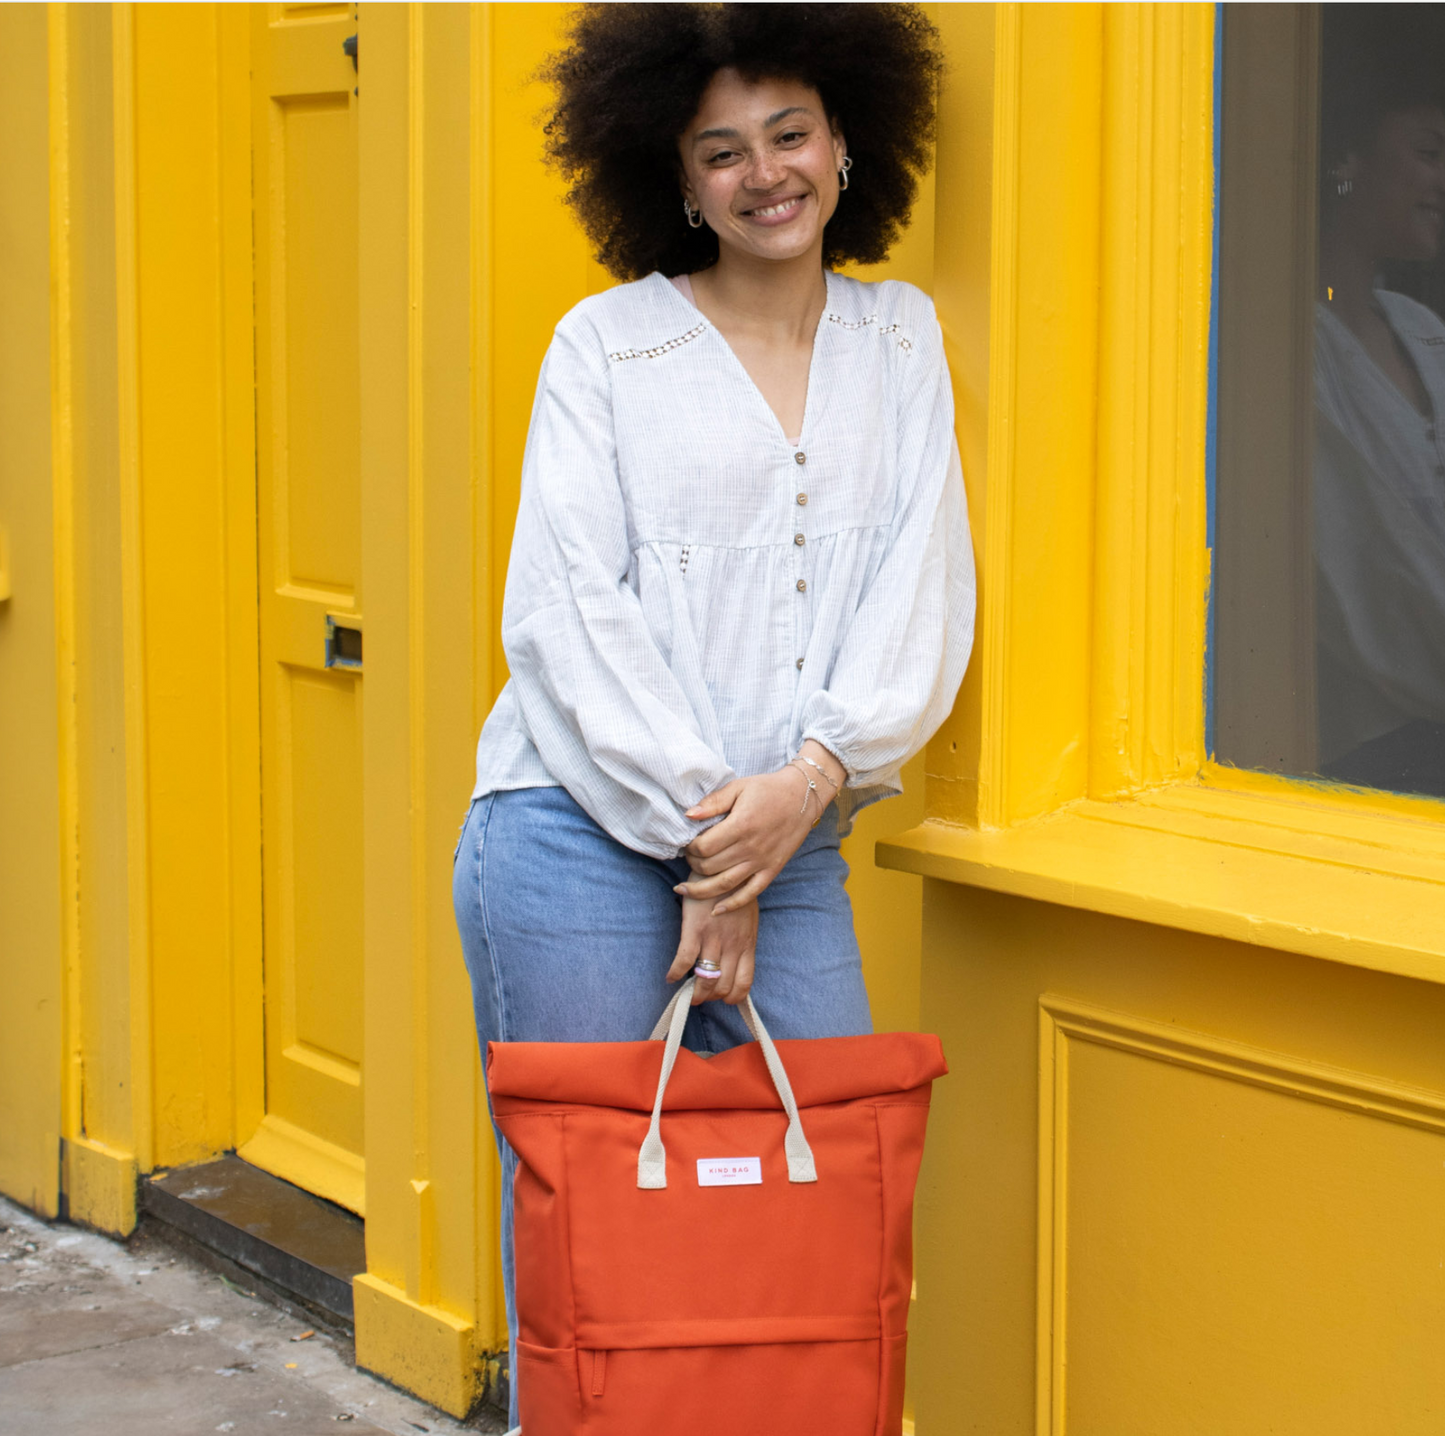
[776, 208]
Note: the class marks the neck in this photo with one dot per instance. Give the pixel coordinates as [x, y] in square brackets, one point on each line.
[783, 297]
[1347, 276]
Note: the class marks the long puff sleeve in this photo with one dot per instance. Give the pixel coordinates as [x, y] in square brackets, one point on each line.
[610, 721]
[904, 652]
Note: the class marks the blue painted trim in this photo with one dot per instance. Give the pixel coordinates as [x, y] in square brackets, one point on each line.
[1211, 442]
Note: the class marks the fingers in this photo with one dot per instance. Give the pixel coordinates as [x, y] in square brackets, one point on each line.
[716, 803]
[714, 887]
[682, 964]
[712, 953]
[713, 845]
[711, 942]
[739, 936]
[708, 866]
[742, 896]
[706, 988]
[720, 989]
[742, 981]
[689, 946]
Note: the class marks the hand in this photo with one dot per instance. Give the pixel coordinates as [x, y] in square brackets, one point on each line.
[766, 823]
[729, 940]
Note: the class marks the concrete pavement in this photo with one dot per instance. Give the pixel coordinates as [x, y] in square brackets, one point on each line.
[102, 1338]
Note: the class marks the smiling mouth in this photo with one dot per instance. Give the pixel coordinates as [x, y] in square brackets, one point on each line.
[779, 209]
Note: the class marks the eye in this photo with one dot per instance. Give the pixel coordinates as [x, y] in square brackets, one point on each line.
[722, 157]
[789, 137]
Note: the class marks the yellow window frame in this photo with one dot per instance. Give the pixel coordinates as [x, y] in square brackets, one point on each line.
[1074, 769]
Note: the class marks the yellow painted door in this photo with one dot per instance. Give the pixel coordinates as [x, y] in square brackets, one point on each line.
[308, 493]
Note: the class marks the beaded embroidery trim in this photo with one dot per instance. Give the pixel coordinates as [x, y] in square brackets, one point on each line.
[618, 355]
[851, 323]
[904, 342]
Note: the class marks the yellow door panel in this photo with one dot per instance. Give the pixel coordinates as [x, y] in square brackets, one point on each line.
[1221, 1217]
[314, 238]
[308, 492]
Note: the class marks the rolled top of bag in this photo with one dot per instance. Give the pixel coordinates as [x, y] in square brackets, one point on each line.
[821, 1072]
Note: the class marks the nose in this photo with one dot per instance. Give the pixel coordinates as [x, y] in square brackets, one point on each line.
[765, 171]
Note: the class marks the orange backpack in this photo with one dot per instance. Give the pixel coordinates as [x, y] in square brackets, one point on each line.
[738, 1265]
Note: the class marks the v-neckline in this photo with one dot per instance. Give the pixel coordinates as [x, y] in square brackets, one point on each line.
[1427, 420]
[804, 429]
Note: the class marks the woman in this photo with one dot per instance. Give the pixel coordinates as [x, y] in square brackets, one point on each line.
[1379, 468]
[741, 587]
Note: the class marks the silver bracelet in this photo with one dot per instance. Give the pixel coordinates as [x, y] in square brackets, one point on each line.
[803, 758]
[812, 792]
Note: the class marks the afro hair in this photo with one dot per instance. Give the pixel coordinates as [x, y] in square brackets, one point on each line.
[633, 75]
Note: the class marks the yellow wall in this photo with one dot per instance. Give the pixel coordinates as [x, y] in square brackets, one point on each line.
[194, 451]
[1219, 1210]
[31, 1025]
[1185, 1174]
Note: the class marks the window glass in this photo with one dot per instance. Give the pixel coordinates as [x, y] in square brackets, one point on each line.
[1328, 614]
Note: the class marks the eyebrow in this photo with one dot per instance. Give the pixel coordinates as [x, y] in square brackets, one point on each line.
[724, 133]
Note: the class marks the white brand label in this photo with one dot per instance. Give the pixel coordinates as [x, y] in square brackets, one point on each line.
[729, 1171]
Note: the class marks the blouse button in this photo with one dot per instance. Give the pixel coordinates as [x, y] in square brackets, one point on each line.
[800, 457]
[800, 663]
[799, 540]
[802, 585]
[802, 499]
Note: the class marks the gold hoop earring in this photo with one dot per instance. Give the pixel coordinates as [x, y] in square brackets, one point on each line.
[694, 216]
[843, 172]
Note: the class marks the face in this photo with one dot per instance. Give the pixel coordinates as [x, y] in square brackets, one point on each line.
[761, 161]
[1398, 195]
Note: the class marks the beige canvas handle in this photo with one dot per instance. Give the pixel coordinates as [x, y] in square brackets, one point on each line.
[652, 1158]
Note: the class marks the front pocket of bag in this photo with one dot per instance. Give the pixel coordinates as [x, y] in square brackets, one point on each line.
[777, 1249]
[547, 1390]
[804, 1388]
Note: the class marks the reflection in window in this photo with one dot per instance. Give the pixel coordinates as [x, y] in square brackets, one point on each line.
[1329, 618]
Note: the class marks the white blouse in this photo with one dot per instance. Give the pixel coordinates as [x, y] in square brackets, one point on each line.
[691, 596]
[1379, 500]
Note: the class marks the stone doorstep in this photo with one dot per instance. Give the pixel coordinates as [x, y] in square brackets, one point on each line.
[301, 1249]
[304, 1247]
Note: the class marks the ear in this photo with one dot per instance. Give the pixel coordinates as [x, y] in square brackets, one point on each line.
[840, 147]
[689, 195]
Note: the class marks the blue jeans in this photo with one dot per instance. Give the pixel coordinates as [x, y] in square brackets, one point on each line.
[568, 936]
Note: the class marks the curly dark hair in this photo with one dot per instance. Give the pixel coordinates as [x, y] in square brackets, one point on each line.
[632, 77]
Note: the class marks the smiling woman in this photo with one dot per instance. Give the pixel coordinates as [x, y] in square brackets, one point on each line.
[874, 69]
[741, 590]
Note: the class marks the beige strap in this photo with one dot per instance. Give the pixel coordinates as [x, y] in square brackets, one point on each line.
[652, 1158]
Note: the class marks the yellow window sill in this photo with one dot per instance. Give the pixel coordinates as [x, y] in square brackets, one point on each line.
[1299, 876]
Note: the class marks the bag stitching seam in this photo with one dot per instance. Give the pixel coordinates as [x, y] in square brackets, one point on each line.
[878, 1400]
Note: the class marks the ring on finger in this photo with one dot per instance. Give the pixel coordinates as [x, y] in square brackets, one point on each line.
[708, 972]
